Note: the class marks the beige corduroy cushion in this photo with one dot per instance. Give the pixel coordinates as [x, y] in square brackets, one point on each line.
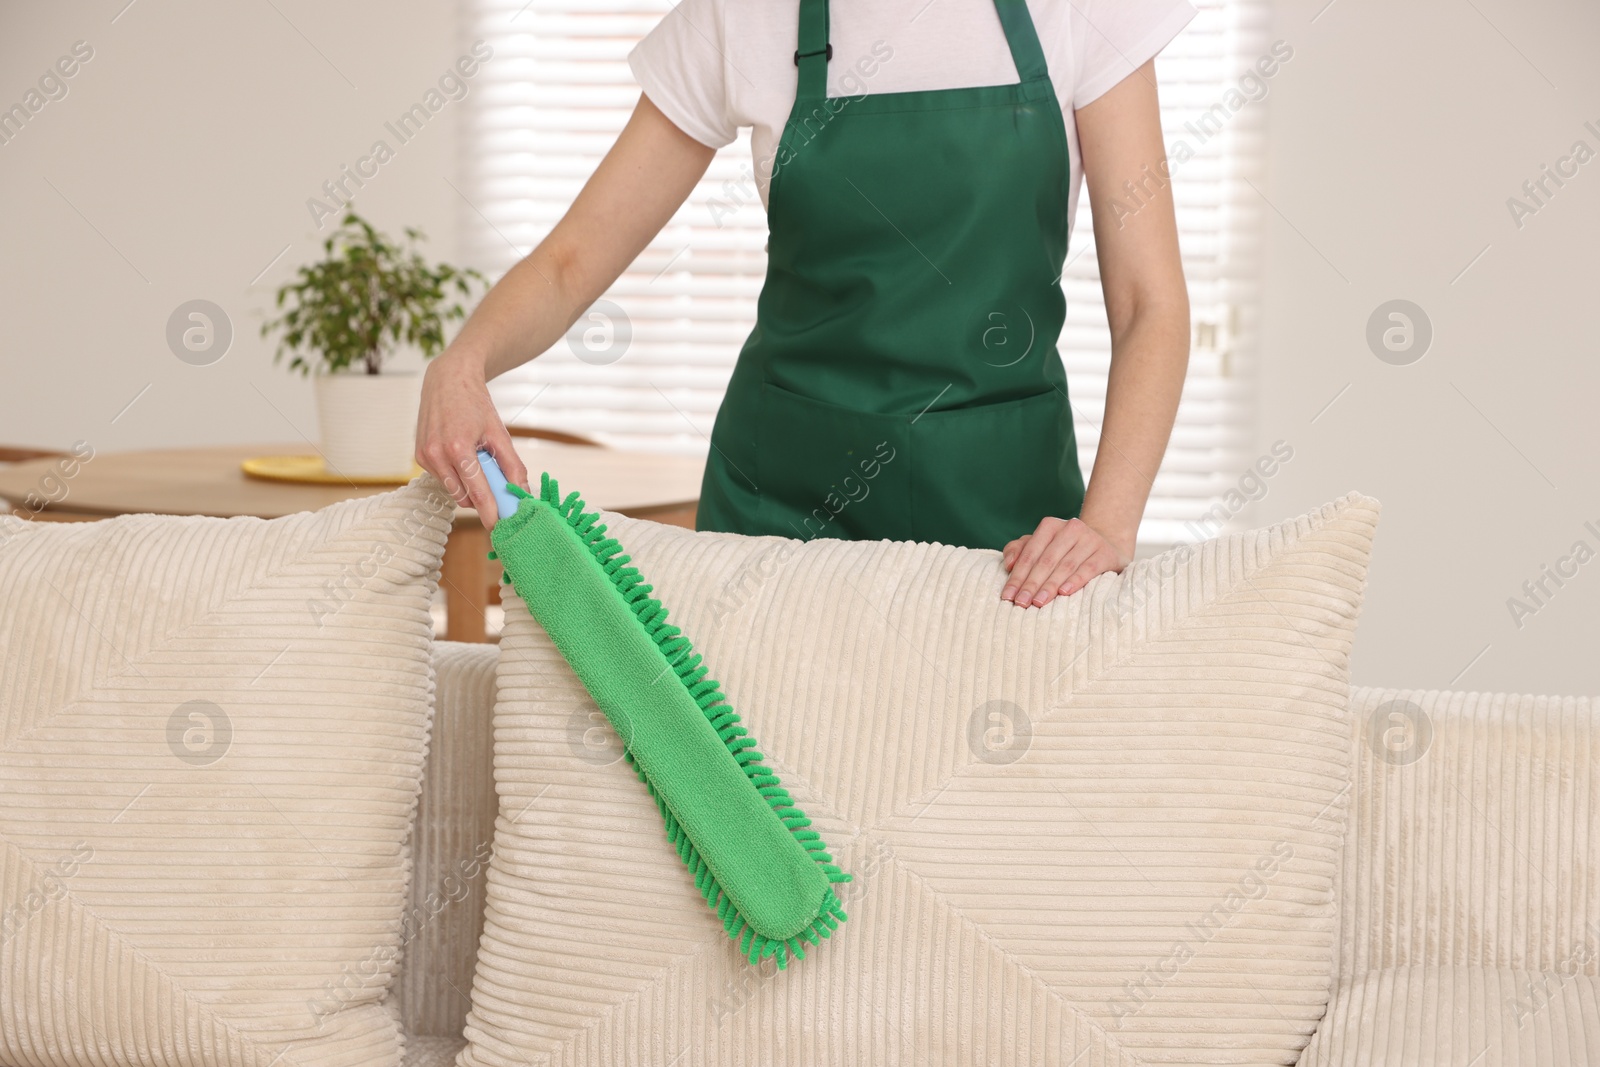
[1469, 885]
[1102, 833]
[1451, 1016]
[211, 738]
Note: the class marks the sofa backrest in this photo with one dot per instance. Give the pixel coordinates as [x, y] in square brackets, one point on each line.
[450, 845]
[1473, 836]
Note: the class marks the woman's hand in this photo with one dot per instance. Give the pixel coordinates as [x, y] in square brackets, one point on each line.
[456, 419]
[1057, 559]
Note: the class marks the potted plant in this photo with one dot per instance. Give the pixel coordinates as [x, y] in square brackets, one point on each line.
[346, 317]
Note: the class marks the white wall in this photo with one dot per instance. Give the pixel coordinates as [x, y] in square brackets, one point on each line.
[193, 138]
[181, 160]
[1396, 136]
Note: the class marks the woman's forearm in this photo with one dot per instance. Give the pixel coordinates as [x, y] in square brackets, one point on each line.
[1148, 364]
[1147, 302]
[525, 313]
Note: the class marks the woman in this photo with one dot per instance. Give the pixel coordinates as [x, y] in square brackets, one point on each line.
[919, 160]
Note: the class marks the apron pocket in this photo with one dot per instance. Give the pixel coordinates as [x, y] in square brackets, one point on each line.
[982, 476]
[829, 471]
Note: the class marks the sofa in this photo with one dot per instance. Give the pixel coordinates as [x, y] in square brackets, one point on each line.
[1460, 940]
[171, 684]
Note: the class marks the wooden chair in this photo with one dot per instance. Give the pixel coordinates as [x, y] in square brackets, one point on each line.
[671, 516]
[560, 436]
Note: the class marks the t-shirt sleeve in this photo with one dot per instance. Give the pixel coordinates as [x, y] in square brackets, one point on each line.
[681, 66]
[1114, 38]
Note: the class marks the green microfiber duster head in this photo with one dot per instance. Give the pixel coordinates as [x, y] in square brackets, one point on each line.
[752, 852]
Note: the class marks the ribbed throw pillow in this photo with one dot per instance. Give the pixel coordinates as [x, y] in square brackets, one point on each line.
[211, 740]
[1099, 833]
[1469, 887]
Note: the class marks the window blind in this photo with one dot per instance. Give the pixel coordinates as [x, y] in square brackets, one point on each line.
[557, 91]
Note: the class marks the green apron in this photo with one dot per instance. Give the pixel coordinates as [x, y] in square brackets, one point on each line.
[902, 379]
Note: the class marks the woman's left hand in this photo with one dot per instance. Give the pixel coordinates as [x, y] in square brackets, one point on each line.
[1057, 559]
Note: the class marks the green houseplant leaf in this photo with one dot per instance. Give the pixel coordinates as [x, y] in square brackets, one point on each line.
[367, 296]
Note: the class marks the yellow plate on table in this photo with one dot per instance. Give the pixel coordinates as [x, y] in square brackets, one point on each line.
[313, 471]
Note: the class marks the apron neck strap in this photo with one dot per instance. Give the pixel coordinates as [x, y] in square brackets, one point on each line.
[813, 54]
[1026, 51]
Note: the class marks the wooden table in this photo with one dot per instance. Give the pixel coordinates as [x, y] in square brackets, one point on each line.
[208, 481]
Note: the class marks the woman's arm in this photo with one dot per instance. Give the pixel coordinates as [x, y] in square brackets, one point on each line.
[643, 179]
[1147, 307]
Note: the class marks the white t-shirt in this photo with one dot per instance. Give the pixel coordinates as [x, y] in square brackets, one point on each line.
[714, 66]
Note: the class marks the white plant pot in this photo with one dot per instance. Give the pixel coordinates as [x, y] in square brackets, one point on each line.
[369, 422]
